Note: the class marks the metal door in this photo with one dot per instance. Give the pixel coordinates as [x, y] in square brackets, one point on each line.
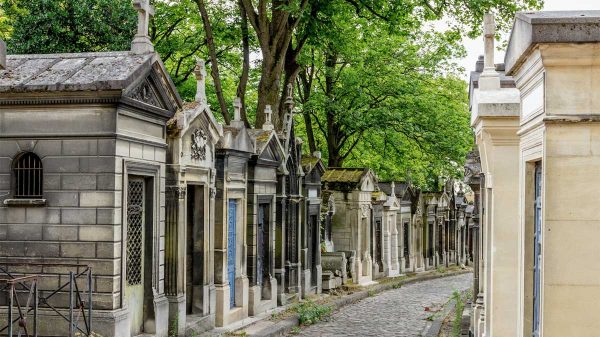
[378, 247]
[537, 251]
[260, 244]
[231, 249]
[405, 229]
[134, 289]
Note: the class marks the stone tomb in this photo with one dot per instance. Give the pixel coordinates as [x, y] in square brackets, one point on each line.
[265, 164]
[311, 235]
[92, 127]
[289, 213]
[234, 149]
[190, 208]
[352, 190]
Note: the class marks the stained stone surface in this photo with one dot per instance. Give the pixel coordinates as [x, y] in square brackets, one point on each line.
[72, 72]
[399, 312]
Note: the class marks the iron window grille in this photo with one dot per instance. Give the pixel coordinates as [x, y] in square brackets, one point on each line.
[28, 176]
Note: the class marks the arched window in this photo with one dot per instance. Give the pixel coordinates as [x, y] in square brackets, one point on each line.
[28, 176]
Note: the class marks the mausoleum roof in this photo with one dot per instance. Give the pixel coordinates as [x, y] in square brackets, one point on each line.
[531, 28]
[344, 175]
[74, 72]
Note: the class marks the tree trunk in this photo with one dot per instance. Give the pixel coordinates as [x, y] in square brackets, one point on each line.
[269, 90]
[333, 130]
[213, 60]
[305, 97]
[241, 89]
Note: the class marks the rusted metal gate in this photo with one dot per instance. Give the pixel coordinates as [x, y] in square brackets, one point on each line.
[24, 299]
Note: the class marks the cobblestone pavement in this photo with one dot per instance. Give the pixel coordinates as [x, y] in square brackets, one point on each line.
[399, 312]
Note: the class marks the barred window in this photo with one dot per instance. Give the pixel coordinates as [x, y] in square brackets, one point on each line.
[28, 176]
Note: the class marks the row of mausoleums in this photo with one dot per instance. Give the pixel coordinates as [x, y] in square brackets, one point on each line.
[187, 223]
[535, 119]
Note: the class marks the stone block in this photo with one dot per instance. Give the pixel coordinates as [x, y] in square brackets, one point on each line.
[10, 249]
[12, 215]
[60, 233]
[43, 215]
[96, 199]
[108, 216]
[97, 164]
[122, 148]
[27, 144]
[109, 267]
[9, 148]
[78, 249]
[24, 232]
[109, 182]
[5, 181]
[42, 249]
[45, 148]
[160, 155]
[79, 182]
[107, 284]
[106, 147]
[61, 164]
[3, 232]
[79, 216]
[108, 250]
[62, 199]
[80, 147]
[97, 233]
[51, 182]
[148, 152]
[136, 150]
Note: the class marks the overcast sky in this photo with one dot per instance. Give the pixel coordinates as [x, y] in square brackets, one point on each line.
[475, 47]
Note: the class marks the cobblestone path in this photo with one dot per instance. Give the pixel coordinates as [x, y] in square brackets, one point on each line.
[398, 313]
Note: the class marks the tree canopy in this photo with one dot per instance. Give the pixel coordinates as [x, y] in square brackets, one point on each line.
[376, 83]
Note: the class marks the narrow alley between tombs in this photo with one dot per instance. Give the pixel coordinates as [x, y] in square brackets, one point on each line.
[399, 312]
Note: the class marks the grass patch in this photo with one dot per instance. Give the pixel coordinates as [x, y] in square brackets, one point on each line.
[310, 312]
[458, 311]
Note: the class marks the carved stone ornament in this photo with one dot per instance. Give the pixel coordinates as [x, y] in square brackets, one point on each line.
[331, 205]
[199, 141]
[180, 192]
[213, 192]
[365, 210]
[144, 93]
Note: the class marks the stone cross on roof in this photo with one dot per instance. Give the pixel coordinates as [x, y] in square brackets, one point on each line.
[141, 42]
[289, 101]
[237, 109]
[268, 125]
[393, 186]
[489, 33]
[200, 72]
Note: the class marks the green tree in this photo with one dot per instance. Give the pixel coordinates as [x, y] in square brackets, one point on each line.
[57, 26]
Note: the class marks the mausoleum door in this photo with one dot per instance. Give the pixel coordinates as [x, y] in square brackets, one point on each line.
[231, 249]
[537, 251]
[195, 249]
[378, 247]
[134, 269]
[262, 244]
[406, 254]
[312, 244]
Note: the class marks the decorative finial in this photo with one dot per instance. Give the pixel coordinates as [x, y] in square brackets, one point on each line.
[268, 125]
[200, 72]
[2, 54]
[393, 189]
[141, 42]
[489, 33]
[289, 102]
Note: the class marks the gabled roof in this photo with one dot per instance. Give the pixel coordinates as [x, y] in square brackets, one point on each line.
[311, 162]
[344, 175]
[72, 72]
[266, 140]
[89, 72]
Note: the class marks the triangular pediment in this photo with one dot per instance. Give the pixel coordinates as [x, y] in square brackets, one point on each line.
[155, 89]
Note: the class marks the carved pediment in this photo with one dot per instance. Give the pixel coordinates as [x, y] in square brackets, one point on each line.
[153, 90]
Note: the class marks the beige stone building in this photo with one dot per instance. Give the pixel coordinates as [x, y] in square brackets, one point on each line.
[82, 181]
[538, 156]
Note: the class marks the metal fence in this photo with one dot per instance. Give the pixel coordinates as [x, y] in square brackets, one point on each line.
[24, 299]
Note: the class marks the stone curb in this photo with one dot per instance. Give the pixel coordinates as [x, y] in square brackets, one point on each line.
[285, 326]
